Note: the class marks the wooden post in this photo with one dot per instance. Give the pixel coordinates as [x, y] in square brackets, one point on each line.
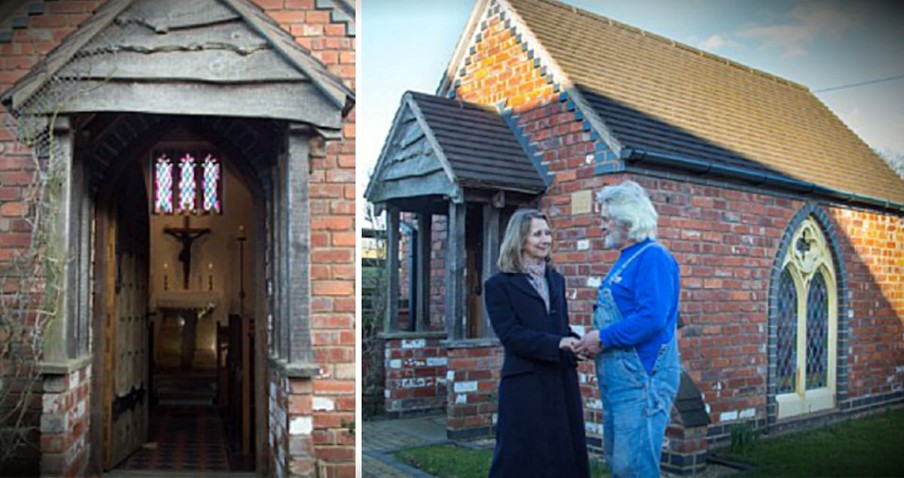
[62, 334]
[86, 206]
[391, 323]
[280, 253]
[424, 238]
[297, 254]
[455, 269]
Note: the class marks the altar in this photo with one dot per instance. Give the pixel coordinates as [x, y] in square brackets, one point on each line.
[185, 334]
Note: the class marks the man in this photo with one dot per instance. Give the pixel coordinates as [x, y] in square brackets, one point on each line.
[634, 340]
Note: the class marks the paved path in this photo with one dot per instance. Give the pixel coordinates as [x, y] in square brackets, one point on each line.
[384, 437]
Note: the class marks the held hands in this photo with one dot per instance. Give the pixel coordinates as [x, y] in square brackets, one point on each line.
[569, 343]
[589, 345]
[585, 348]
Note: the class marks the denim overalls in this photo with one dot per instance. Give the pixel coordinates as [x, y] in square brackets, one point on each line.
[636, 405]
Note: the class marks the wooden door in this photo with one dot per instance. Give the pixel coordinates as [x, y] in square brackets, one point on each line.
[125, 331]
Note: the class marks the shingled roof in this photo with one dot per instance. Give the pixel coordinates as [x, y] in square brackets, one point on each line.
[439, 146]
[654, 95]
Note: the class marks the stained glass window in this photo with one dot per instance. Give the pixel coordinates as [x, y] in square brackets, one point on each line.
[163, 185]
[787, 333]
[806, 325]
[211, 184]
[817, 332]
[187, 186]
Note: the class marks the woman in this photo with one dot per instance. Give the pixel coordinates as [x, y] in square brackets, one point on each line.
[540, 428]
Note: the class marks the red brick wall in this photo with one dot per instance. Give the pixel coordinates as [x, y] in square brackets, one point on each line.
[27, 47]
[302, 441]
[332, 200]
[473, 384]
[332, 195]
[725, 242]
[415, 371]
[64, 423]
[873, 248]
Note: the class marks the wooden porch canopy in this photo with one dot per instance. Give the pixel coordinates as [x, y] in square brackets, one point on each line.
[206, 57]
[442, 155]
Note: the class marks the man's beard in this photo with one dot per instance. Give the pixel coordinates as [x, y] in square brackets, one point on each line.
[614, 239]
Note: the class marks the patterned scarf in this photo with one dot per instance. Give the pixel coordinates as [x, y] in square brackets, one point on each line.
[536, 272]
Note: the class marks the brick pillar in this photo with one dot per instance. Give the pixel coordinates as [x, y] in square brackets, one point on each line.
[415, 366]
[278, 439]
[291, 426]
[472, 383]
[64, 422]
[685, 450]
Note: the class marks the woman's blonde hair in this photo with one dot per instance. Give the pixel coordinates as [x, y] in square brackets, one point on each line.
[628, 204]
[513, 242]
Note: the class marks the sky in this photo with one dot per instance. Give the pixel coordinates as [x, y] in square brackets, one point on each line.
[407, 44]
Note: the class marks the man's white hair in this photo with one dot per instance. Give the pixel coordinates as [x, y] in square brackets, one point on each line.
[628, 204]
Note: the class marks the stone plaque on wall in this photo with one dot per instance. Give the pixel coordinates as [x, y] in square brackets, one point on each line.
[581, 202]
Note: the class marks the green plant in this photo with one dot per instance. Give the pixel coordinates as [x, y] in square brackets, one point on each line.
[743, 435]
[869, 446]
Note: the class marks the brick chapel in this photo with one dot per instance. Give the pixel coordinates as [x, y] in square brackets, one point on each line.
[788, 229]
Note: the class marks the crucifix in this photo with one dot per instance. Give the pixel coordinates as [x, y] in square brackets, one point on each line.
[187, 235]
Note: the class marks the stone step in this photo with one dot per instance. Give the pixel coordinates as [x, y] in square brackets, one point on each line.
[177, 474]
[185, 389]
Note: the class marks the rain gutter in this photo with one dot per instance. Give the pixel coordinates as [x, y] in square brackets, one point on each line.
[755, 178]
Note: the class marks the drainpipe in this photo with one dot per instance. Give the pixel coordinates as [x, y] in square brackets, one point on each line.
[755, 178]
[411, 232]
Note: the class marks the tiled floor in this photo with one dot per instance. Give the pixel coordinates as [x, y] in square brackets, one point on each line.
[182, 438]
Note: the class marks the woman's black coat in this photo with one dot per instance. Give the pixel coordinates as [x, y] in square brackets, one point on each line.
[540, 427]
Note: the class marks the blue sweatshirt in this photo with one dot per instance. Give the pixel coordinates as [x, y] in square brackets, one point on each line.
[647, 296]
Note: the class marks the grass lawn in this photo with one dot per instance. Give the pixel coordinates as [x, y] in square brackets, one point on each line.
[450, 461]
[871, 446]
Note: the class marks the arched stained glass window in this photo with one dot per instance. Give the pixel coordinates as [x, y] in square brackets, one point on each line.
[806, 325]
[187, 186]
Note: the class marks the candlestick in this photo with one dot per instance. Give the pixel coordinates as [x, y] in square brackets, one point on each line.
[241, 240]
[210, 276]
[165, 276]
